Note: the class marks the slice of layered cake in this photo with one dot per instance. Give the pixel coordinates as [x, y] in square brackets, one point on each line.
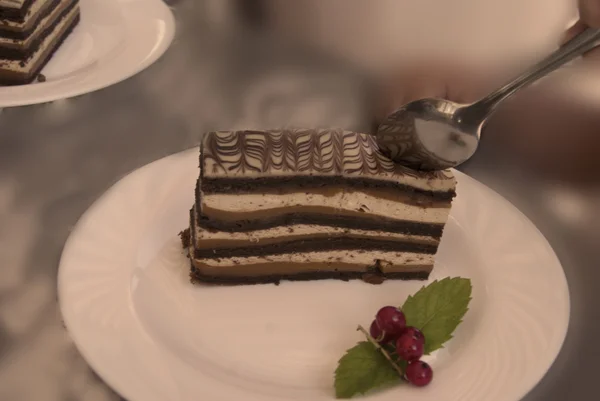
[312, 204]
[30, 33]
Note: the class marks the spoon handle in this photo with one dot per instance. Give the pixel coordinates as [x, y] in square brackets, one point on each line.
[575, 47]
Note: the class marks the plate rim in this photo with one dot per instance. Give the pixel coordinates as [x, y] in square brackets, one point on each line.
[126, 392]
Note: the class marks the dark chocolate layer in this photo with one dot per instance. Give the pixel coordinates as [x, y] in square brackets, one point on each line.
[372, 277]
[16, 14]
[306, 183]
[20, 35]
[373, 223]
[25, 53]
[315, 245]
[27, 79]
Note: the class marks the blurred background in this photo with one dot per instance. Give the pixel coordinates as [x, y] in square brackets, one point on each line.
[380, 34]
[407, 49]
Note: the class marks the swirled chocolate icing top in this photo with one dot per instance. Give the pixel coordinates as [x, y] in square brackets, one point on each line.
[309, 152]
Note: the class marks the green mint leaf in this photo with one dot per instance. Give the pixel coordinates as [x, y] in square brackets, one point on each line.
[438, 309]
[361, 369]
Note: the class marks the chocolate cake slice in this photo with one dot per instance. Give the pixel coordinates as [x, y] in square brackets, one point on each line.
[30, 33]
[312, 204]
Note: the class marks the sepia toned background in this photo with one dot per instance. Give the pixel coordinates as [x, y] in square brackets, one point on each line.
[261, 64]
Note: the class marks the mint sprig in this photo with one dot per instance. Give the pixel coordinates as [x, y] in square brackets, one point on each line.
[436, 310]
[363, 368]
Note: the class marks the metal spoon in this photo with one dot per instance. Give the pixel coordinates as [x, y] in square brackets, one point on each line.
[434, 134]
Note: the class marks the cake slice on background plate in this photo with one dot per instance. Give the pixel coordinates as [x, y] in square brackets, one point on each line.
[31, 31]
[311, 204]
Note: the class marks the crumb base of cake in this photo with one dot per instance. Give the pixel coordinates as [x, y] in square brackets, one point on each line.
[370, 277]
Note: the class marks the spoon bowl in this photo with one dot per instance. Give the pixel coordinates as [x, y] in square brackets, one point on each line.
[430, 134]
[435, 134]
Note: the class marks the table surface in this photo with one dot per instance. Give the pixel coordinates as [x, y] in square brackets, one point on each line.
[57, 158]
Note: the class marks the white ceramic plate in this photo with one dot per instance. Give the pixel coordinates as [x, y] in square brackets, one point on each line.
[128, 303]
[114, 40]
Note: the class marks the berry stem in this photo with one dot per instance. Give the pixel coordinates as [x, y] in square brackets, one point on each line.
[383, 351]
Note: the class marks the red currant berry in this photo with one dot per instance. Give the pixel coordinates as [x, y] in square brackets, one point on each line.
[376, 333]
[409, 347]
[413, 331]
[391, 320]
[419, 373]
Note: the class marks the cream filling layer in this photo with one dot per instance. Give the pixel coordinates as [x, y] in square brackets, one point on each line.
[355, 257]
[352, 201]
[42, 25]
[36, 8]
[206, 239]
[14, 66]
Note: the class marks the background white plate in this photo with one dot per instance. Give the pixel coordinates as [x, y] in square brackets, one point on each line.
[114, 40]
[127, 301]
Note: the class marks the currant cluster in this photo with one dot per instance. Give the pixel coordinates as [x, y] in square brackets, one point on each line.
[389, 328]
